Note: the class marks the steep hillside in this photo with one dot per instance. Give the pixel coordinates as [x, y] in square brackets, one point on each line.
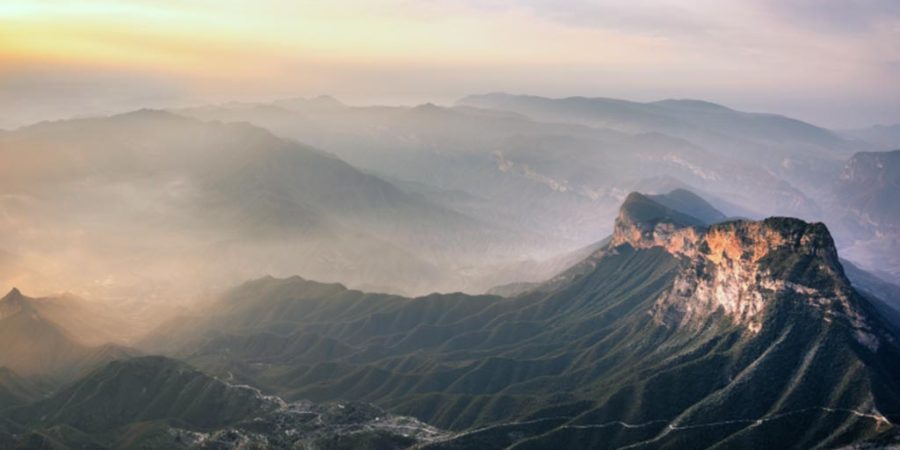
[676, 334]
[33, 344]
[139, 390]
[156, 402]
[16, 390]
[29, 343]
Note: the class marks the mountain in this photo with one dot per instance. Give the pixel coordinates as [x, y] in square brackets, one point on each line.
[680, 202]
[93, 323]
[814, 174]
[864, 198]
[31, 343]
[868, 186]
[884, 137]
[675, 334]
[560, 181]
[16, 390]
[35, 343]
[691, 204]
[884, 295]
[195, 191]
[796, 153]
[142, 389]
[156, 402]
[685, 118]
[558, 168]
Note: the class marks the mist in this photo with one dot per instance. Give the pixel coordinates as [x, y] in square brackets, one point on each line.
[470, 225]
[832, 65]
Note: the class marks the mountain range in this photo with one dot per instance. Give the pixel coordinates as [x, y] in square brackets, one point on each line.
[236, 193]
[883, 137]
[156, 402]
[52, 337]
[511, 272]
[684, 329]
[677, 333]
[559, 168]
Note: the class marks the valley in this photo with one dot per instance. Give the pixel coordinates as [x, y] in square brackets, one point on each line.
[677, 331]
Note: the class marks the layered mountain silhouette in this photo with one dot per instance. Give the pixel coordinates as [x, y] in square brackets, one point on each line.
[196, 191]
[683, 329]
[559, 168]
[869, 184]
[16, 389]
[864, 198]
[42, 337]
[454, 149]
[881, 137]
[677, 333]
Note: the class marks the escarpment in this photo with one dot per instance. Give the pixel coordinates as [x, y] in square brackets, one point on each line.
[740, 268]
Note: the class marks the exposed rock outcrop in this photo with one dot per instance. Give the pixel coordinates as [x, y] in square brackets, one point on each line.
[738, 268]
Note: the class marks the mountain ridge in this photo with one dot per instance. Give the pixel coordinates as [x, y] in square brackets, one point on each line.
[36, 340]
[737, 265]
[621, 338]
[158, 402]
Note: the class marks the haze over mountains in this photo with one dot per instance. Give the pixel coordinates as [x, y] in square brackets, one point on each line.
[506, 225]
[677, 332]
[196, 191]
[511, 272]
[559, 167]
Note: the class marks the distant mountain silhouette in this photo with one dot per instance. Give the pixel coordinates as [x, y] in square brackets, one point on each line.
[676, 333]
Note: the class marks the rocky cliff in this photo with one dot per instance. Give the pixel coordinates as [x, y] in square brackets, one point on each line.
[739, 268]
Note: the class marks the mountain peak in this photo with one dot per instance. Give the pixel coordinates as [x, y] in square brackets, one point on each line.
[741, 267]
[644, 209]
[13, 302]
[428, 107]
[326, 100]
[643, 222]
[13, 294]
[693, 104]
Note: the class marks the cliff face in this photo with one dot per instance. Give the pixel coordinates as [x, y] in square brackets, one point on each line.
[740, 268]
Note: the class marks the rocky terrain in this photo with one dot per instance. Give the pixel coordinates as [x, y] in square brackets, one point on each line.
[677, 332]
[154, 402]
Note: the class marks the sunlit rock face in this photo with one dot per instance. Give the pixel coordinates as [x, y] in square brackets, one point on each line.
[741, 267]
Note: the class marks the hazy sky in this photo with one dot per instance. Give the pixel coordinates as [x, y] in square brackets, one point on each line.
[833, 62]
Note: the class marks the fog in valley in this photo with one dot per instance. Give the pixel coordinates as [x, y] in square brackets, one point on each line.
[156, 209]
[476, 225]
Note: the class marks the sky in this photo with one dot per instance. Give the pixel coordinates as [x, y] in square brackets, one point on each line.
[835, 63]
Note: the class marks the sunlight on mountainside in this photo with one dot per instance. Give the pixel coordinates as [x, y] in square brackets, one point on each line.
[421, 225]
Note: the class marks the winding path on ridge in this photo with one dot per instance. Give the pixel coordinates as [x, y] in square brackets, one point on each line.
[670, 426]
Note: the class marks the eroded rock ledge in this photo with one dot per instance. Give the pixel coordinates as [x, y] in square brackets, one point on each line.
[740, 267]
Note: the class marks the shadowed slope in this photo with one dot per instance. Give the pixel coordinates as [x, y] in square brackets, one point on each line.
[676, 334]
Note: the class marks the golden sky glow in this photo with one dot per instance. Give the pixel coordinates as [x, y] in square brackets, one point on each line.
[200, 37]
[637, 48]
